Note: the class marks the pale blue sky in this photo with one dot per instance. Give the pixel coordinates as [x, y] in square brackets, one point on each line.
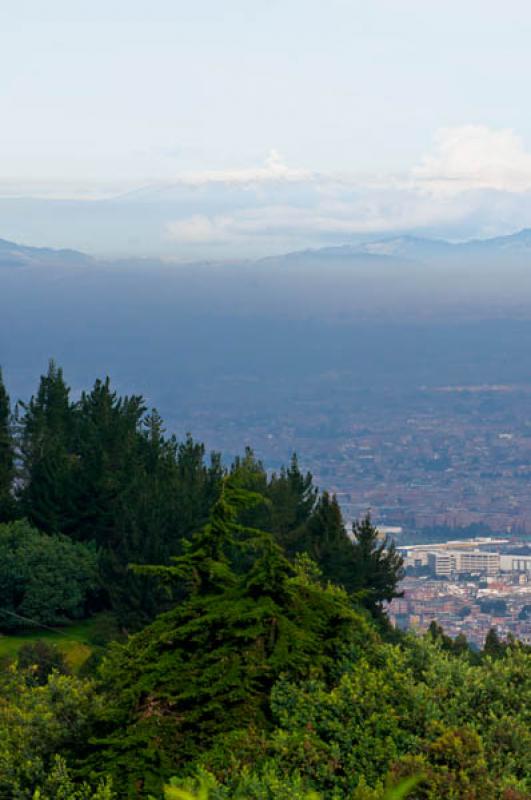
[121, 93]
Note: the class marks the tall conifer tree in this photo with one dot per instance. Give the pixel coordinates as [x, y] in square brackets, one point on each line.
[293, 497]
[377, 566]
[325, 539]
[47, 429]
[206, 668]
[7, 457]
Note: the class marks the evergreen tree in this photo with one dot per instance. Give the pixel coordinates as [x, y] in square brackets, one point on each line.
[325, 540]
[493, 646]
[115, 494]
[293, 498]
[108, 463]
[7, 457]
[377, 566]
[206, 668]
[197, 487]
[46, 447]
[437, 634]
[250, 474]
[460, 645]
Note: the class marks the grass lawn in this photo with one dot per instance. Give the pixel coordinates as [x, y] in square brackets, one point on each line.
[74, 641]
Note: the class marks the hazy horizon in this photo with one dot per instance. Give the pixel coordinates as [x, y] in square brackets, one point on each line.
[267, 132]
[195, 132]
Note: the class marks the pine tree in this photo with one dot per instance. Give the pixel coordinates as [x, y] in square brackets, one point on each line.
[196, 490]
[377, 566]
[325, 540]
[250, 474]
[115, 466]
[366, 566]
[494, 646]
[7, 457]
[293, 498]
[109, 452]
[206, 668]
[46, 447]
[437, 634]
[204, 568]
[138, 494]
[460, 645]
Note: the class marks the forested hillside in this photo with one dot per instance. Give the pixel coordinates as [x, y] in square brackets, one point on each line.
[239, 644]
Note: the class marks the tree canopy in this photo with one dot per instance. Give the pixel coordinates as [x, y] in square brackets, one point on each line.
[205, 669]
[252, 660]
[44, 579]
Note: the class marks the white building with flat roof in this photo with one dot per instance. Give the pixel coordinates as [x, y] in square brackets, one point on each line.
[458, 562]
[515, 563]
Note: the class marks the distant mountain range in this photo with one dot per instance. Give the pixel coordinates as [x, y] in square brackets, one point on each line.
[16, 255]
[404, 248]
[424, 249]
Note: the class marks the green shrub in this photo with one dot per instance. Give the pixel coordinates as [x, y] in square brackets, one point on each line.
[44, 579]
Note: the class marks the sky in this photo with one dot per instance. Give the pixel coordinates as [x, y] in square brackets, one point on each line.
[246, 127]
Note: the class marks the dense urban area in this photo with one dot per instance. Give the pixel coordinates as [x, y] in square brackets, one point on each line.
[446, 455]
[467, 587]
[431, 466]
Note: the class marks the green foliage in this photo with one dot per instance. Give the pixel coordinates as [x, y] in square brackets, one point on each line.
[492, 697]
[46, 448]
[44, 579]
[101, 470]
[39, 659]
[377, 566]
[459, 646]
[36, 722]
[453, 765]
[207, 667]
[288, 499]
[357, 729]
[264, 785]
[493, 647]
[7, 457]
[258, 672]
[397, 711]
[324, 538]
[367, 566]
[293, 498]
[59, 785]
[269, 785]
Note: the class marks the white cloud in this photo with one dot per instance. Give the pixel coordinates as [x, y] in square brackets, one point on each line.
[475, 157]
[476, 181]
[472, 173]
[199, 229]
[273, 169]
[368, 214]
[463, 158]
[62, 190]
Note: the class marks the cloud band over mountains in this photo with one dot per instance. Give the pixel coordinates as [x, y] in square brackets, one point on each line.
[474, 177]
[476, 181]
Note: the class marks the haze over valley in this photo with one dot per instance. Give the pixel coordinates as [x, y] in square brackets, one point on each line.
[392, 366]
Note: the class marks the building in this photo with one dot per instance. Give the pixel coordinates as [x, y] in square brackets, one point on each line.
[515, 563]
[441, 563]
[458, 562]
[478, 561]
